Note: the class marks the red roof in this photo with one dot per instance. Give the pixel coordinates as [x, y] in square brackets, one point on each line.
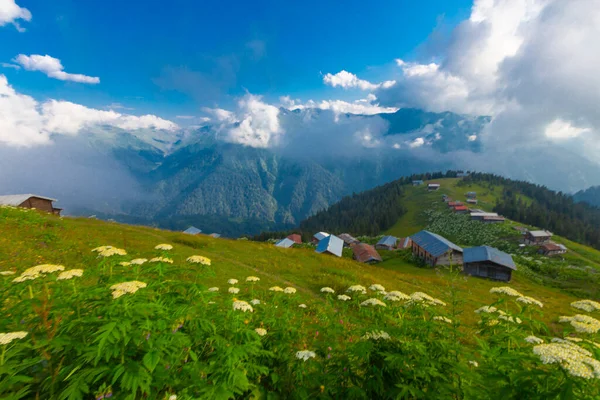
[294, 237]
[551, 247]
[460, 208]
[365, 252]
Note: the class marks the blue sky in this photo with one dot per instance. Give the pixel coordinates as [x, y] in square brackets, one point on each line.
[172, 58]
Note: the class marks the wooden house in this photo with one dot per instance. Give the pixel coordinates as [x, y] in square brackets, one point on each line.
[317, 237]
[460, 209]
[552, 249]
[215, 235]
[295, 238]
[435, 249]
[404, 243]
[493, 219]
[417, 182]
[348, 239]
[478, 215]
[285, 243]
[387, 243]
[537, 237]
[488, 262]
[31, 201]
[471, 195]
[365, 253]
[454, 203]
[433, 186]
[192, 230]
[331, 245]
[471, 201]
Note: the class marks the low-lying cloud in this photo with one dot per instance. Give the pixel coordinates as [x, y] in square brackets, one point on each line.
[52, 67]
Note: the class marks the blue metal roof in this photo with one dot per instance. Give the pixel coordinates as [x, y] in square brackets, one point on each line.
[487, 253]
[388, 241]
[433, 243]
[320, 235]
[192, 230]
[331, 244]
[285, 243]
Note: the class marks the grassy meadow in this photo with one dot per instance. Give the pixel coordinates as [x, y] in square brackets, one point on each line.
[405, 331]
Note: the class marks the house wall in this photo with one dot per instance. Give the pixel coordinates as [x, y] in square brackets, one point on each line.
[39, 204]
[451, 258]
[488, 270]
[536, 240]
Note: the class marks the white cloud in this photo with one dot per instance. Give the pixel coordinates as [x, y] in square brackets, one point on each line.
[366, 106]
[559, 129]
[10, 13]
[254, 123]
[24, 122]
[118, 106]
[366, 139]
[472, 138]
[52, 67]
[185, 117]
[346, 80]
[418, 142]
[9, 65]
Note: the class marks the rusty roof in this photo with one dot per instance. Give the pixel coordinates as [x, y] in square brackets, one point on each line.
[365, 253]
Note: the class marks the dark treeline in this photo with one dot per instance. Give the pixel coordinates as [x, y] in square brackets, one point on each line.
[367, 213]
[553, 211]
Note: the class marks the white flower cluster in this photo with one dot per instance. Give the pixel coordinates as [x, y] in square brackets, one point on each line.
[529, 300]
[376, 287]
[572, 358]
[161, 259]
[198, 260]
[582, 323]
[586, 305]
[233, 290]
[6, 338]
[69, 274]
[373, 302]
[534, 340]
[376, 335]
[213, 289]
[113, 251]
[101, 249]
[443, 319]
[343, 297]
[252, 279]
[242, 306]
[396, 295]
[420, 297]
[505, 317]
[474, 363]
[255, 302]
[232, 281]
[327, 290]
[506, 290]
[305, 355]
[289, 290]
[163, 246]
[37, 271]
[357, 288]
[261, 331]
[125, 263]
[302, 305]
[276, 289]
[6, 273]
[126, 287]
[486, 309]
[138, 261]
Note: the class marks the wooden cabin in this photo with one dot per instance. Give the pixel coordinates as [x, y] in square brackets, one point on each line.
[296, 238]
[552, 249]
[365, 253]
[537, 238]
[348, 239]
[471, 201]
[31, 201]
[317, 237]
[460, 209]
[488, 262]
[192, 230]
[433, 186]
[435, 249]
[331, 245]
[387, 243]
[285, 243]
[471, 195]
[404, 243]
[417, 182]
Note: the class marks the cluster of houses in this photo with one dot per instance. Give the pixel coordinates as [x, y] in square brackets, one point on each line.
[31, 201]
[192, 230]
[476, 214]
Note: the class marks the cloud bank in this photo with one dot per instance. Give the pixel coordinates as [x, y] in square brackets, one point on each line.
[10, 13]
[52, 67]
[347, 80]
[24, 122]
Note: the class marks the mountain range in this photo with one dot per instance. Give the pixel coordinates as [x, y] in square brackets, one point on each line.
[200, 176]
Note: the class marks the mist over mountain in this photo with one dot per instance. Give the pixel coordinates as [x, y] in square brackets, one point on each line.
[198, 176]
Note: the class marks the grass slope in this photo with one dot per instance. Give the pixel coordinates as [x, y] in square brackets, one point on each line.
[38, 239]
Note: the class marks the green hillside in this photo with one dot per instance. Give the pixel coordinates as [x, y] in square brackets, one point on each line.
[175, 337]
